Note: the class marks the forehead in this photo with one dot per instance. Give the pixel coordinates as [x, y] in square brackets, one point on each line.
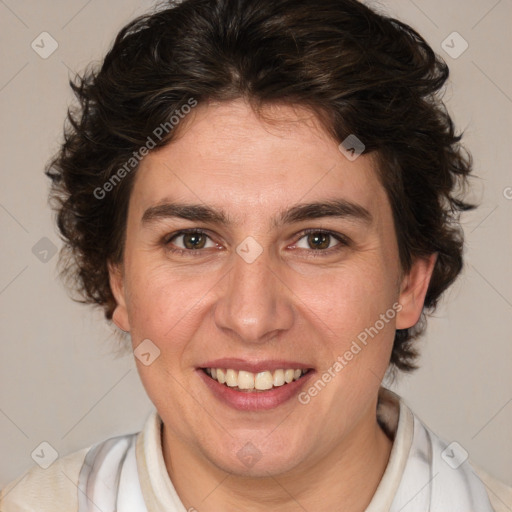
[228, 156]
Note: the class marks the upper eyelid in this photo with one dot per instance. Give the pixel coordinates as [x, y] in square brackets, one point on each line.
[338, 236]
[171, 236]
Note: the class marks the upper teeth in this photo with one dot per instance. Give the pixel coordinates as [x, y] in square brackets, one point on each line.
[248, 380]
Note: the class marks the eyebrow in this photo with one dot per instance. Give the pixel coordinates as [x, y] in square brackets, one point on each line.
[339, 208]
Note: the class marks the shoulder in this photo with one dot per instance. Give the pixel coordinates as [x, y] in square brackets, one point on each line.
[500, 494]
[64, 485]
[59, 482]
[458, 481]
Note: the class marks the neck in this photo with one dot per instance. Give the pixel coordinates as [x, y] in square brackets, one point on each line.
[345, 478]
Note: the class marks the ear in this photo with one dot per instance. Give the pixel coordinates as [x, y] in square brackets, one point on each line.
[116, 280]
[413, 289]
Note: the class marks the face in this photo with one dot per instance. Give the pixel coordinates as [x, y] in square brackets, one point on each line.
[256, 247]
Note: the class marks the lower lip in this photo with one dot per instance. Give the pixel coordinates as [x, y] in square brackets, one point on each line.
[257, 400]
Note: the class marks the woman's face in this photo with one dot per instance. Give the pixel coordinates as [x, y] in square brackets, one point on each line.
[262, 283]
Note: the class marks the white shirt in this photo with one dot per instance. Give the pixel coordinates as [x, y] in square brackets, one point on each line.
[128, 474]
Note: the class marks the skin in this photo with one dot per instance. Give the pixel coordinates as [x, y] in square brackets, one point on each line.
[294, 302]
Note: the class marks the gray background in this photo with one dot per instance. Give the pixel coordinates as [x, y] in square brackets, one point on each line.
[61, 378]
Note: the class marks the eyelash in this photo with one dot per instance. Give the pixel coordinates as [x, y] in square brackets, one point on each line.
[343, 242]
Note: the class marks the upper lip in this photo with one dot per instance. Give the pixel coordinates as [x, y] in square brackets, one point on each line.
[255, 366]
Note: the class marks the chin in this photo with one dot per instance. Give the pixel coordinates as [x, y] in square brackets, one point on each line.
[257, 459]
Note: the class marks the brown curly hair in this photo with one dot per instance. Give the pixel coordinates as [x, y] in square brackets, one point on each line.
[360, 71]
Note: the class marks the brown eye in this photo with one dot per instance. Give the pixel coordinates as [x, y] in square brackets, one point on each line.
[188, 241]
[319, 240]
[194, 240]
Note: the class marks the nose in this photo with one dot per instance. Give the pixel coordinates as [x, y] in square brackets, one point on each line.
[254, 301]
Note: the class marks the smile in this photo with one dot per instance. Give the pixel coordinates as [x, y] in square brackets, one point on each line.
[246, 381]
[256, 386]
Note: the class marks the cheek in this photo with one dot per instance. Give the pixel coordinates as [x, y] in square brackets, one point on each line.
[343, 309]
[162, 303]
[351, 314]
[165, 308]
[350, 297]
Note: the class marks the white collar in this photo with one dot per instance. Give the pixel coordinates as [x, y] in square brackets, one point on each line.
[419, 476]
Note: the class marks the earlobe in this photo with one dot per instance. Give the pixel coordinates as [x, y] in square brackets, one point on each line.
[120, 314]
[413, 289]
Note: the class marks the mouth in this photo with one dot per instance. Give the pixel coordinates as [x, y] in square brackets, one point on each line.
[254, 386]
[250, 382]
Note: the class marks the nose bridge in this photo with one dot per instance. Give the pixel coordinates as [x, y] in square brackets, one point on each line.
[254, 303]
